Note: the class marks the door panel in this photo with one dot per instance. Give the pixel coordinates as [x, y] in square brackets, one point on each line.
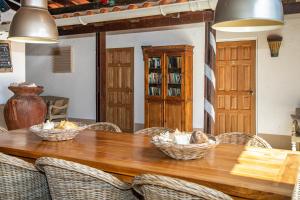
[154, 113]
[235, 87]
[173, 115]
[119, 87]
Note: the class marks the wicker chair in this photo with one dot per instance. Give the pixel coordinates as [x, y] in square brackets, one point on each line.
[57, 107]
[3, 130]
[69, 180]
[105, 126]
[296, 193]
[154, 187]
[243, 139]
[153, 131]
[21, 180]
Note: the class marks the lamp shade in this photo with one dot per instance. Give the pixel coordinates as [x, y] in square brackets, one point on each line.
[248, 15]
[33, 23]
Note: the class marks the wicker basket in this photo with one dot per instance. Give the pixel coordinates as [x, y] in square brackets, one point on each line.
[185, 152]
[56, 134]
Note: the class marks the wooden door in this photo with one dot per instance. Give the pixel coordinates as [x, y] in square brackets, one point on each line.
[119, 87]
[235, 87]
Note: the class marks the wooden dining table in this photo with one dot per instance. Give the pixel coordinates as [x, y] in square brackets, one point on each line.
[242, 172]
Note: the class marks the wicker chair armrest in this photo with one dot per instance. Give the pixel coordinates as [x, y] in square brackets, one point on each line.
[178, 185]
[58, 107]
[153, 131]
[262, 141]
[83, 169]
[3, 130]
[296, 192]
[10, 160]
[105, 124]
[244, 139]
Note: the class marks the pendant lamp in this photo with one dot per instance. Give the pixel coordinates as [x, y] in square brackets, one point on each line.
[33, 23]
[248, 15]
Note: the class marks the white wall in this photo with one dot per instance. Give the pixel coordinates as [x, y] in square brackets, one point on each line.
[190, 35]
[79, 86]
[18, 74]
[278, 79]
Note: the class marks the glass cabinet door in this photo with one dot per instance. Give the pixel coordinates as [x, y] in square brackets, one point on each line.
[154, 76]
[174, 75]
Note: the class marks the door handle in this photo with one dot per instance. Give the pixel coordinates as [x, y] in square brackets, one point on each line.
[251, 92]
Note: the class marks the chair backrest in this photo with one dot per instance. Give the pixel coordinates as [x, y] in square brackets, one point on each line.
[296, 193]
[52, 99]
[2, 120]
[243, 139]
[69, 180]
[3, 130]
[162, 187]
[105, 126]
[21, 180]
[153, 131]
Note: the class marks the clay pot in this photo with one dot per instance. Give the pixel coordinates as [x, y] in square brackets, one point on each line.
[25, 108]
[104, 10]
[116, 9]
[132, 6]
[147, 4]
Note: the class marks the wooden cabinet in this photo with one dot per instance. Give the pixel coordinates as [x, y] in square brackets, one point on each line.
[169, 86]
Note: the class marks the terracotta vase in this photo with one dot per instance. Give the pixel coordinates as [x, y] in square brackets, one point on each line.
[25, 108]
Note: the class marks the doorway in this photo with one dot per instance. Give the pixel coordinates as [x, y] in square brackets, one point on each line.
[235, 100]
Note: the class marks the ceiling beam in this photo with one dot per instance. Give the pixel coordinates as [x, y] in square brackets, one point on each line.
[291, 8]
[140, 23]
[13, 5]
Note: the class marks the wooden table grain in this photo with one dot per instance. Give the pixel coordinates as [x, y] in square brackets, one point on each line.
[242, 172]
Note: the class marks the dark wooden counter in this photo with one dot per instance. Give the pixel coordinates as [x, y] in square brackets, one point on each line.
[242, 172]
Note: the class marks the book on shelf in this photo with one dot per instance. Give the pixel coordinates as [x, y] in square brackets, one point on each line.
[175, 62]
[174, 78]
[155, 78]
[154, 63]
[154, 91]
[174, 92]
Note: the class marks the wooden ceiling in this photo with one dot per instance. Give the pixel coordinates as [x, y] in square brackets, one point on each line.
[71, 6]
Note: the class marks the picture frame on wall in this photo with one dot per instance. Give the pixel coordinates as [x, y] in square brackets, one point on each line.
[62, 60]
[5, 57]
